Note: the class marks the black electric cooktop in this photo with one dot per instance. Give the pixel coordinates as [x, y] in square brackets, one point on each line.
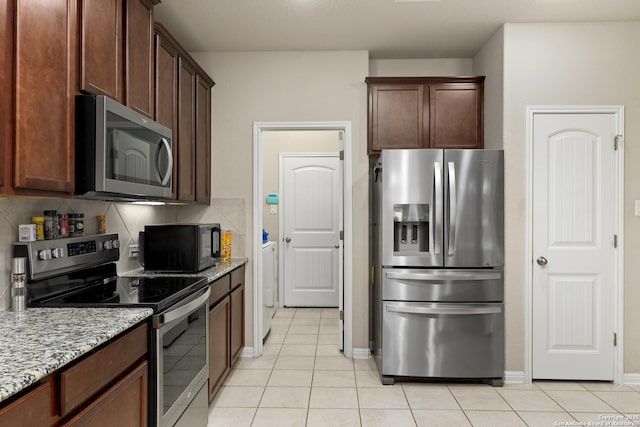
[158, 293]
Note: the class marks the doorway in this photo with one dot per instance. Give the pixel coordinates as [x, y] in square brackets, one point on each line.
[260, 134]
[574, 261]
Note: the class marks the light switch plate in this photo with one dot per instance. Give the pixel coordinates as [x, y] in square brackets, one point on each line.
[274, 209]
[133, 251]
[637, 207]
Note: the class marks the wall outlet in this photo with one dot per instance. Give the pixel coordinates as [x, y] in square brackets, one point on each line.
[133, 251]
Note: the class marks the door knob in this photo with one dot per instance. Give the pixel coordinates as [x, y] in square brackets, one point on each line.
[337, 246]
[542, 261]
[288, 239]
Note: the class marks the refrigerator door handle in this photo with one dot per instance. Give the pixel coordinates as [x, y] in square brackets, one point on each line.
[440, 277]
[436, 232]
[443, 310]
[452, 208]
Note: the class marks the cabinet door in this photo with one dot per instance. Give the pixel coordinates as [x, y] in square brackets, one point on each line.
[139, 63]
[124, 404]
[6, 79]
[396, 116]
[456, 115]
[219, 362]
[32, 409]
[166, 93]
[203, 141]
[101, 67]
[237, 323]
[186, 131]
[45, 86]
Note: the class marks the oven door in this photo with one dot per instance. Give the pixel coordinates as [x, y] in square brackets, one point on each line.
[181, 336]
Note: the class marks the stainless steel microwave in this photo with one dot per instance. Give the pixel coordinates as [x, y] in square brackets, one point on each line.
[120, 154]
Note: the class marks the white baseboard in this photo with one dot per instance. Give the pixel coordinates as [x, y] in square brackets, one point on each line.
[361, 353]
[631, 379]
[514, 377]
[247, 352]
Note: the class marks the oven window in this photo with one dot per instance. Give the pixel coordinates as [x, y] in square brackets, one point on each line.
[184, 355]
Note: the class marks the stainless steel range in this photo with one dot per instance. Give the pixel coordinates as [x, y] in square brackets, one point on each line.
[437, 234]
[81, 272]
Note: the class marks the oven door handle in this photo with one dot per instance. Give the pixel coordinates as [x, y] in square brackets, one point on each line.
[183, 310]
[444, 310]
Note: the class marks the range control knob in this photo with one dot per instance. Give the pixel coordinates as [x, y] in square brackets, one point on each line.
[57, 253]
[116, 244]
[44, 254]
[107, 244]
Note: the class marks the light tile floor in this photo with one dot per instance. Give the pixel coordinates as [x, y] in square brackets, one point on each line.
[303, 380]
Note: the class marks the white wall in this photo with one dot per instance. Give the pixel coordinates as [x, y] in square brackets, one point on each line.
[489, 62]
[289, 86]
[420, 67]
[569, 64]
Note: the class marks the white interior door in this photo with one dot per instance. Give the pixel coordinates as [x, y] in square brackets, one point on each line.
[341, 242]
[311, 226]
[573, 305]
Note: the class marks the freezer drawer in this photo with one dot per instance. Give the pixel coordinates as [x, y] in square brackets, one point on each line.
[469, 285]
[442, 340]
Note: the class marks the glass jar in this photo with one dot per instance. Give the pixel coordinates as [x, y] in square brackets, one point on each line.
[39, 222]
[102, 224]
[64, 225]
[50, 224]
[76, 224]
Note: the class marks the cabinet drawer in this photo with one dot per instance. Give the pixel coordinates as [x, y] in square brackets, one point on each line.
[32, 409]
[83, 380]
[219, 289]
[237, 277]
[124, 404]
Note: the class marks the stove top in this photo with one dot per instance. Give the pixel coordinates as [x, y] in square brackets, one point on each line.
[158, 293]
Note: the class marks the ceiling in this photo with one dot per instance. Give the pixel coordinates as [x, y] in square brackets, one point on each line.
[388, 29]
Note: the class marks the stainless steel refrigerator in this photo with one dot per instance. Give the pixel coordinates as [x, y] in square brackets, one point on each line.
[437, 258]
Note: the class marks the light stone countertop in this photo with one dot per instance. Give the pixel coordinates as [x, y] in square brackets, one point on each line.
[39, 341]
[212, 273]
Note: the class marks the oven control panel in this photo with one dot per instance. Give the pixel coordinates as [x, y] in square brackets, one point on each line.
[47, 258]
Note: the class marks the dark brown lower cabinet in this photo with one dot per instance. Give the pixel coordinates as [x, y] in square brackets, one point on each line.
[226, 327]
[124, 404]
[32, 409]
[219, 360]
[107, 387]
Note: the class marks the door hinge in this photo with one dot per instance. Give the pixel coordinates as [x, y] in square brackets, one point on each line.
[341, 154]
[616, 142]
[615, 339]
[341, 234]
[615, 241]
[341, 315]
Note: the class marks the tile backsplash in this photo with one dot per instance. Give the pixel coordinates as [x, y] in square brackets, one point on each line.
[122, 218]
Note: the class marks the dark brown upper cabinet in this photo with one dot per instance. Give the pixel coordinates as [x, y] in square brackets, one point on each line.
[183, 98]
[6, 79]
[117, 51]
[424, 112]
[45, 49]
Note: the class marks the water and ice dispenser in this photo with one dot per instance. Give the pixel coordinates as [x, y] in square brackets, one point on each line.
[410, 228]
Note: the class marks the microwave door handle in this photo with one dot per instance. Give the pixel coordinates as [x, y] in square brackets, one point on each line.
[167, 175]
[452, 208]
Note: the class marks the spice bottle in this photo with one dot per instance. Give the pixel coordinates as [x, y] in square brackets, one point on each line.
[102, 223]
[64, 225]
[50, 224]
[39, 222]
[18, 284]
[76, 225]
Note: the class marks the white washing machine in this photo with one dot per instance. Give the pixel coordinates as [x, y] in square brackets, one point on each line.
[269, 274]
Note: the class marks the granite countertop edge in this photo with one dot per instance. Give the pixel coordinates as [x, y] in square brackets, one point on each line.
[39, 341]
[211, 274]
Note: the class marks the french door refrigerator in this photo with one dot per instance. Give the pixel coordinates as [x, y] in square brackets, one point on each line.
[437, 258]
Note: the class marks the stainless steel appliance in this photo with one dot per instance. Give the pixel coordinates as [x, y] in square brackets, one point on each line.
[437, 255]
[120, 154]
[180, 248]
[81, 272]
